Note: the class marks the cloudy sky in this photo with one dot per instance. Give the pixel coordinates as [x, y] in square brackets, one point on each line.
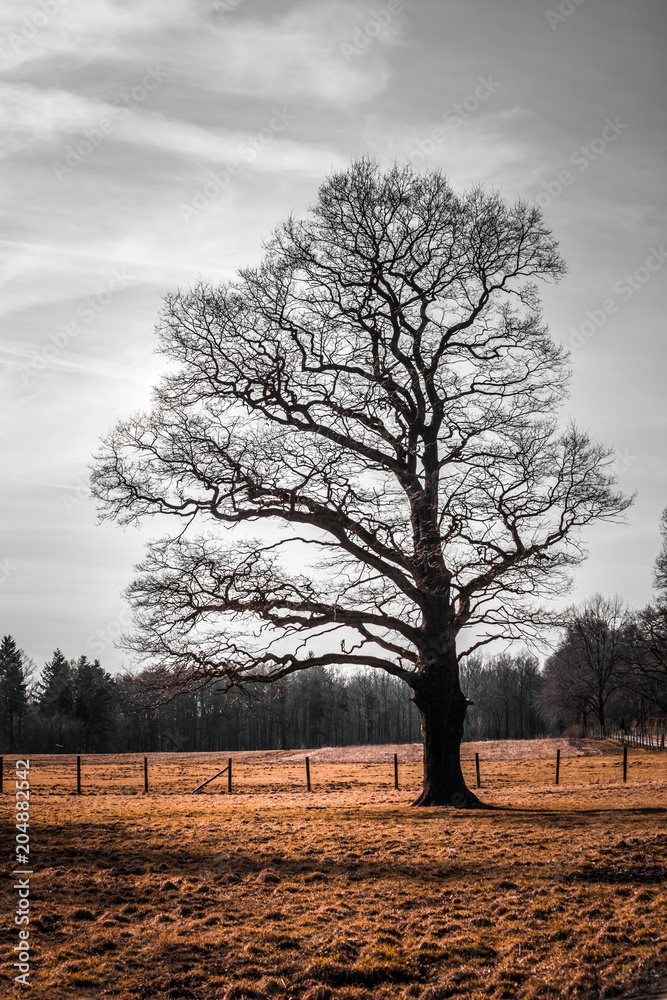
[147, 143]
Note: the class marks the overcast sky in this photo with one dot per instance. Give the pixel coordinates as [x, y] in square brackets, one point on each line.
[120, 123]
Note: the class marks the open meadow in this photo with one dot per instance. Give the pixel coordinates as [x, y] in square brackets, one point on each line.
[347, 891]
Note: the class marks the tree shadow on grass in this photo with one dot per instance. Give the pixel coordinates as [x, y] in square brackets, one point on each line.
[529, 811]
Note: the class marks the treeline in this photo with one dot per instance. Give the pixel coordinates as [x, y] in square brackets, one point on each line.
[76, 706]
[610, 667]
[505, 692]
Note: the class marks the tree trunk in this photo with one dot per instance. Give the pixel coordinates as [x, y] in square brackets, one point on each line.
[443, 709]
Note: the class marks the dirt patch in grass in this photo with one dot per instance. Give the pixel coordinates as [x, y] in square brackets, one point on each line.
[347, 894]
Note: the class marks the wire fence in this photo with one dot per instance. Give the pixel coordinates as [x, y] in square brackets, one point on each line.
[648, 737]
[247, 773]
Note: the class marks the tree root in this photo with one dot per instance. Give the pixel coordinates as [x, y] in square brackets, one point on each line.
[459, 800]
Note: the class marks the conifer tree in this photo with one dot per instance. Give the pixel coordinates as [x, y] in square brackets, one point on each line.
[13, 696]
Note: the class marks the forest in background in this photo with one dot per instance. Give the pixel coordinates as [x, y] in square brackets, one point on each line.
[609, 668]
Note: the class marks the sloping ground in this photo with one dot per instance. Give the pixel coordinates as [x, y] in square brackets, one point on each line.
[489, 749]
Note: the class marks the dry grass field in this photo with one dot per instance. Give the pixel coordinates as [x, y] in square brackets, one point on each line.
[346, 892]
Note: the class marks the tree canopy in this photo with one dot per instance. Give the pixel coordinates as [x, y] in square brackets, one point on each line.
[383, 387]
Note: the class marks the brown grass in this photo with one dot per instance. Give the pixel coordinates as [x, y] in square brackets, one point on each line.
[347, 893]
[503, 763]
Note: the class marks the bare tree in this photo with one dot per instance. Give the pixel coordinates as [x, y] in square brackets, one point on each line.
[588, 668]
[647, 637]
[646, 653]
[384, 388]
[660, 569]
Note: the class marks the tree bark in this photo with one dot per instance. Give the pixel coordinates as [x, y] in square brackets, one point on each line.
[443, 708]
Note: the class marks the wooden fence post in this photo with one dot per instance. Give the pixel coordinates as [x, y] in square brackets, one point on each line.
[308, 774]
[145, 775]
[229, 775]
[78, 775]
[477, 769]
[625, 763]
[557, 764]
[217, 775]
[395, 770]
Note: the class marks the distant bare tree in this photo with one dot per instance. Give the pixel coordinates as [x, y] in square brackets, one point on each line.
[588, 668]
[384, 388]
[660, 571]
[647, 638]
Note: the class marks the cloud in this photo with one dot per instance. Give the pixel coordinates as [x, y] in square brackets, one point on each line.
[61, 31]
[29, 115]
[32, 117]
[462, 148]
[21, 357]
[246, 52]
[301, 53]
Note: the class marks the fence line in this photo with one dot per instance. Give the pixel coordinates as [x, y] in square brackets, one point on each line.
[75, 777]
[643, 737]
